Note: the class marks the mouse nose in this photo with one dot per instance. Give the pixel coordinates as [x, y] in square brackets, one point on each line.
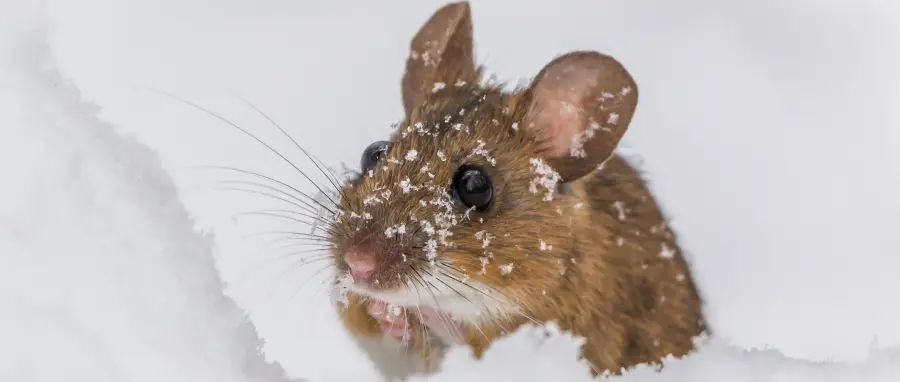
[362, 263]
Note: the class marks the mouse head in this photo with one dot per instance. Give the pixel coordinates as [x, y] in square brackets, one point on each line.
[462, 208]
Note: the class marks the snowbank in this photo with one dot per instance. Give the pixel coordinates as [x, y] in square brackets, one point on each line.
[533, 355]
[102, 277]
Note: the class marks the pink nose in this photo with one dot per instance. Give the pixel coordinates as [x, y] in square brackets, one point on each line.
[362, 264]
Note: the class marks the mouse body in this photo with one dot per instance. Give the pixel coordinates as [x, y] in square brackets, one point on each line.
[487, 209]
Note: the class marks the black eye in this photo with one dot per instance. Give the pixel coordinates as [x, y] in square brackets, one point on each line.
[372, 155]
[473, 188]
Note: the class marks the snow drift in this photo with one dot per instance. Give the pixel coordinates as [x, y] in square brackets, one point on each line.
[102, 277]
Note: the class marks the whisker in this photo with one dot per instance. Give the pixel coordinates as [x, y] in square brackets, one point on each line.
[328, 225]
[316, 274]
[251, 136]
[315, 218]
[257, 213]
[429, 288]
[306, 206]
[268, 178]
[292, 233]
[303, 260]
[422, 330]
[311, 158]
[505, 295]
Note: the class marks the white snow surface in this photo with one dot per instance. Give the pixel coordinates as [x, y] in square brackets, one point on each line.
[768, 129]
[102, 276]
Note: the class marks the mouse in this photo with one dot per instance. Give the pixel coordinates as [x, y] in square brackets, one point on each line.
[489, 208]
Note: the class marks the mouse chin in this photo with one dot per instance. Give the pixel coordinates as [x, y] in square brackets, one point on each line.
[474, 303]
[396, 294]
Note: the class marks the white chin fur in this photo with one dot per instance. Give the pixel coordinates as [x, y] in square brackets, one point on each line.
[477, 305]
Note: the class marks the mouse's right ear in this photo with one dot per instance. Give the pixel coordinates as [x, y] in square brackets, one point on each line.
[441, 53]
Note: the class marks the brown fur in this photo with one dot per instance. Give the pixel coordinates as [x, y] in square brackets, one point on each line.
[604, 277]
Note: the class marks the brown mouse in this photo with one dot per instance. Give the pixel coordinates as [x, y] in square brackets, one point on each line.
[499, 208]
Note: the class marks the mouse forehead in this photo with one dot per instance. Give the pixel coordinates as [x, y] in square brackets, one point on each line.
[426, 150]
[456, 121]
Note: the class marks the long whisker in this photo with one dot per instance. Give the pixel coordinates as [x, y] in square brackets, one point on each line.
[302, 260]
[291, 218]
[316, 274]
[264, 115]
[429, 288]
[268, 178]
[293, 236]
[251, 136]
[458, 280]
[316, 218]
[422, 330]
[306, 206]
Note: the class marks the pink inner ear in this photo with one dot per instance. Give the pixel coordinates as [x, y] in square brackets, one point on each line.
[561, 119]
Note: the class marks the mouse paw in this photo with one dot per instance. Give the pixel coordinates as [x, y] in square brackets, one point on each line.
[443, 325]
[391, 319]
[394, 321]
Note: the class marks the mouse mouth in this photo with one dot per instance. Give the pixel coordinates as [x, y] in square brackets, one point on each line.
[382, 280]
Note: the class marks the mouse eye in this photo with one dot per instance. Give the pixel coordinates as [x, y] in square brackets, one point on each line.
[372, 154]
[473, 188]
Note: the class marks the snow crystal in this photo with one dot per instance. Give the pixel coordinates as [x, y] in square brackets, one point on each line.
[323, 215]
[485, 238]
[544, 246]
[411, 155]
[480, 150]
[620, 209]
[546, 177]
[406, 186]
[395, 230]
[394, 310]
[506, 269]
[484, 262]
[431, 249]
[578, 140]
[441, 155]
[666, 252]
[613, 118]
[460, 127]
[437, 87]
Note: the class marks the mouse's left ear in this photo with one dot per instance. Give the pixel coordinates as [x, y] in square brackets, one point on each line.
[441, 53]
[581, 106]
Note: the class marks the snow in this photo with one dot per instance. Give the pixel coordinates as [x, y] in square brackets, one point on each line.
[102, 276]
[768, 129]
